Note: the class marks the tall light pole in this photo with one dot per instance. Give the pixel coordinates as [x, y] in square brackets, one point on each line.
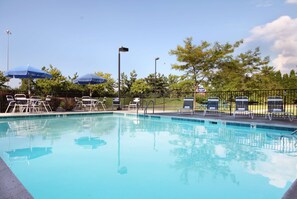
[155, 83]
[8, 34]
[121, 49]
[156, 59]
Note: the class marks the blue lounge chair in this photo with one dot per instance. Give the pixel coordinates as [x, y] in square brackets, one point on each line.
[276, 107]
[242, 106]
[188, 105]
[212, 105]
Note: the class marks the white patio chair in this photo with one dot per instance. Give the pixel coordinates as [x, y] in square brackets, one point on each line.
[46, 103]
[34, 104]
[88, 102]
[11, 103]
[134, 103]
[102, 103]
[21, 103]
[78, 103]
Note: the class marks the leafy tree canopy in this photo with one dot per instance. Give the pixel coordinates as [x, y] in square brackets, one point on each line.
[3, 80]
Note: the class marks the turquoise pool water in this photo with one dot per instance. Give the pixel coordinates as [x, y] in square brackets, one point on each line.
[115, 156]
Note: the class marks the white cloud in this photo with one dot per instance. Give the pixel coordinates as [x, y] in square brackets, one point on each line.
[278, 168]
[263, 3]
[291, 1]
[280, 36]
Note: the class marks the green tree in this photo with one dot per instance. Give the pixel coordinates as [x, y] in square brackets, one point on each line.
[132, 79]
[227, 77]
[53, 86]
[158, 84]
[199, 62]
[124, 87]
[3, 80]
[173, 88]
[243, 72]
[278, 78]
[251, 63]
[140, 87]
[293, 80]
[126, 82]
[290, 80]
[105, 89]
[266, 79]
[179, 87]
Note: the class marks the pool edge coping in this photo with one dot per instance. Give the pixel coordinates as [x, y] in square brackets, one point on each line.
[225, 122]
[10, 186]
[252, 124]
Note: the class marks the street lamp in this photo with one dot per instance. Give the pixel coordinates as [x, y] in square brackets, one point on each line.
[121, 49]
[157, 58]
[8, 33]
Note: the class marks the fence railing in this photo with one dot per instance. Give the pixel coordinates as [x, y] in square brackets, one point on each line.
[173, 101]
[257, 100]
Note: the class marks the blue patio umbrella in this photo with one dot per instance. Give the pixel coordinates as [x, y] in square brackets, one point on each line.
[94, 142]
[30, 153]
[27, 72]
[90, 79]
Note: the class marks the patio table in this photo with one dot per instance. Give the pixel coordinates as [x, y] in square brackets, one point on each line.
[29, 105]
[89, 103]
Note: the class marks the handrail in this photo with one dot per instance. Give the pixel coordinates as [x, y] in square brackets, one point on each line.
[147, 104]
[294, 135]
[294, 132]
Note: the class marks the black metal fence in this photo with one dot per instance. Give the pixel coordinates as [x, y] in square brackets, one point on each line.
[174, 100]
[257, 100]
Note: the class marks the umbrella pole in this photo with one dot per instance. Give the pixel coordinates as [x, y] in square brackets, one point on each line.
[29, 92]
[90, 90]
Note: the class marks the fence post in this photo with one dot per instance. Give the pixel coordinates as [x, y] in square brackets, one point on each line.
[230, 103]
[163, 104]
[285, 99]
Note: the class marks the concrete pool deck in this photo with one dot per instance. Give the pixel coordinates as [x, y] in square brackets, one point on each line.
[283, 122]
[12, 188]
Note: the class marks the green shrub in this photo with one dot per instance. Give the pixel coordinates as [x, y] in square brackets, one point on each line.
[68, 104]
[55, 103]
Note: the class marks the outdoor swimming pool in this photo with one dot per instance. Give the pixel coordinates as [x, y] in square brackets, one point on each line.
[118, 156]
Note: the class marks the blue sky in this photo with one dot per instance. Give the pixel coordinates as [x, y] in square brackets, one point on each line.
[84, 36]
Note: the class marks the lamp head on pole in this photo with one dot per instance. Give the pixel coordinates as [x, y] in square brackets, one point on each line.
[123, 49]
[8, 32]
[157, 58]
